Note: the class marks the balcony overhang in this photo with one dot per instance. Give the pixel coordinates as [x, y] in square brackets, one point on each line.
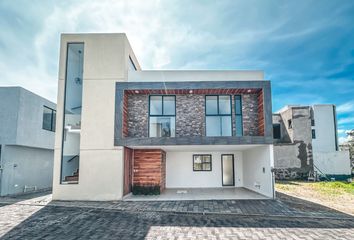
[124, 89]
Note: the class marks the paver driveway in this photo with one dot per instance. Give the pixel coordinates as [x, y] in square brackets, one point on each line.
[33, 220]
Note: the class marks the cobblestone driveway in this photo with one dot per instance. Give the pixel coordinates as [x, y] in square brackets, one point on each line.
[65, 220]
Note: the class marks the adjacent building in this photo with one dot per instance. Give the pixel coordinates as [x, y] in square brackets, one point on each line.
[305, 141]
[121, 129]
[27, 131]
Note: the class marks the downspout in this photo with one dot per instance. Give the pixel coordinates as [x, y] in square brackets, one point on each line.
[273, 181]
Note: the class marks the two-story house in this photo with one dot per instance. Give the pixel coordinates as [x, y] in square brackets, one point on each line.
[122, 129]
[27, 124]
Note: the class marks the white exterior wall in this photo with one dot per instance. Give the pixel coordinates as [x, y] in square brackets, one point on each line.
[254, 160]
[194, 75]
[106, 59]
[325, 127]
[25, 166]
[180, 174]
[333, 163]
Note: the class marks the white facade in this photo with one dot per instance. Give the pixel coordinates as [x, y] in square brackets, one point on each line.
[101, 167]
[333, 163]
[252, 167]
[325, 128]
[106, 61]
[181, 164]
[194, 75]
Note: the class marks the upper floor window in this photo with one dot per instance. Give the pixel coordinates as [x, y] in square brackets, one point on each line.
[238, 111]
[290, 124]
[313, 133]
[162, 116]
[49, 116]
[312, 122]
[218, 115]
[276, 131]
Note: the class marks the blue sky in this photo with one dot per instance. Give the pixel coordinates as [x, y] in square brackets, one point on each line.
[306, 48]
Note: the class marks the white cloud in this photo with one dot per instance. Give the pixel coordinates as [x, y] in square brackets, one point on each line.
[342, 140]
[346, 120]
[340, 131]
[346, 107]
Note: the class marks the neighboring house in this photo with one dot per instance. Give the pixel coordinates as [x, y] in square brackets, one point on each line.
[349, 146]
[125, 129]
[305, 140]
[27, 124]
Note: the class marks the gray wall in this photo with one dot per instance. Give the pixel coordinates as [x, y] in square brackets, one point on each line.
[21, 116]
[25, 166]
[27, 149]
[190, 115]
[293, 152]
[9, 105]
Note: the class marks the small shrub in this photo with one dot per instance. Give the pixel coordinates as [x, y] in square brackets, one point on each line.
[146, 190]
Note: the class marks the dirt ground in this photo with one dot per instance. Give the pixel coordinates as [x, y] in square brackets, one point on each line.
[335, 195]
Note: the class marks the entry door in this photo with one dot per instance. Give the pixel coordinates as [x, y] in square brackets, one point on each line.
[227, 165]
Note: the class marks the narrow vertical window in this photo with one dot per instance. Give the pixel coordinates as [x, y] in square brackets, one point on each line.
[290, 124]
[276, 131]
[313, 132]
[132, 66]
[238, 113]
[72, 114]
[162, 116]
[218, 115]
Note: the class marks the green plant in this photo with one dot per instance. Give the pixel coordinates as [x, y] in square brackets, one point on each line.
[146, 190]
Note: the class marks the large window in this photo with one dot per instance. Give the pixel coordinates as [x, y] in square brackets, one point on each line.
[72, 113]
[162, 116]
[49, 116]
[202, 162]
[238, 112]
[218, 115]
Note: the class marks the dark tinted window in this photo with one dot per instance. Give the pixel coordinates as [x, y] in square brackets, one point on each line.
[49, 116]
[276, 131]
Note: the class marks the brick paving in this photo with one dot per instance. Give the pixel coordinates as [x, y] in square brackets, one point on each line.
[40, 218]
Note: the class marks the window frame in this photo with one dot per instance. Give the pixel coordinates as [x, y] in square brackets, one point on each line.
[238, 114]
[218, 113]
[132, 62]
[202, 170]
[52, 122]
[61, 181]
[162, 110]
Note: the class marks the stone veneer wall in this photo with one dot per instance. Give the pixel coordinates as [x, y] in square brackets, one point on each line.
[250, 114]
[190, 115]
[149, 168]
[138, 115]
